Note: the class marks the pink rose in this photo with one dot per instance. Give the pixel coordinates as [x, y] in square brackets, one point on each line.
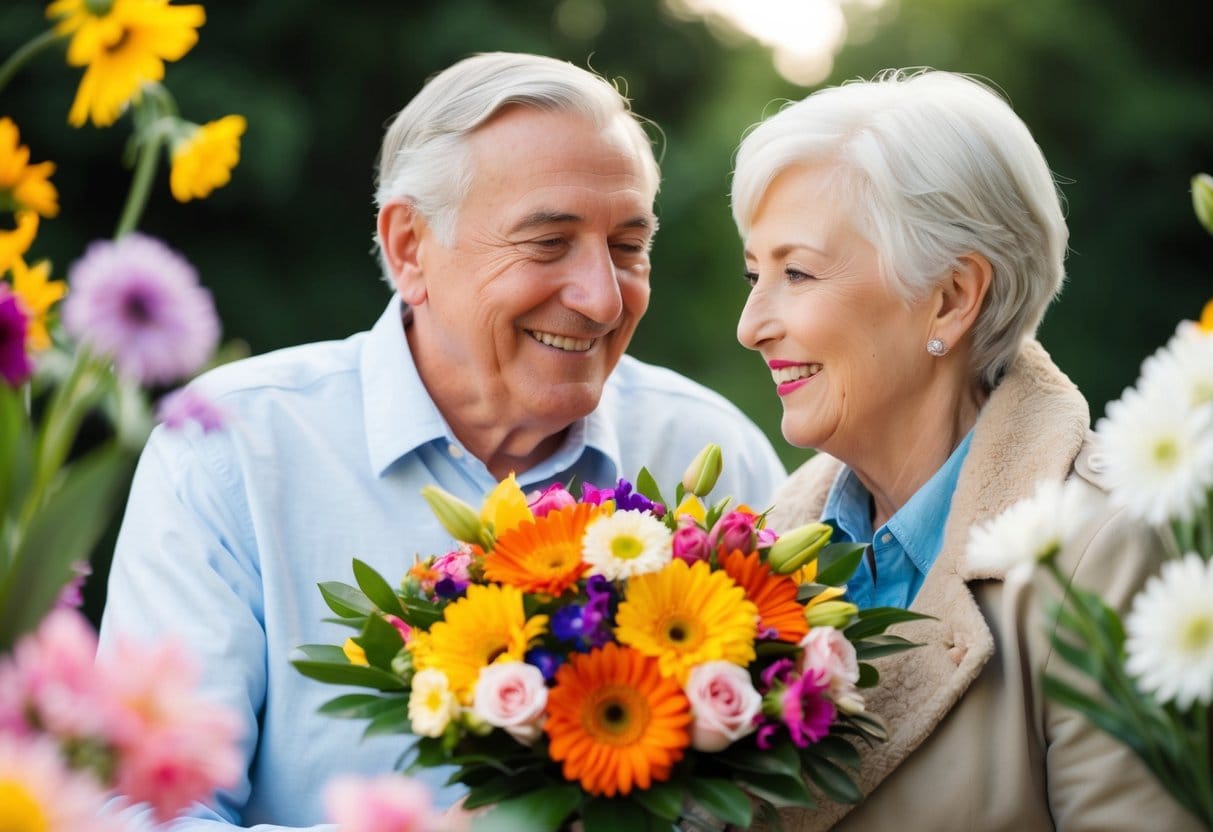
[724, 704]
[511, 695]
[690, 543]
[827, 650]
[550, 499]
[734, 531]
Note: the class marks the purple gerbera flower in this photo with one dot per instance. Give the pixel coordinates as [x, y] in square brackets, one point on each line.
[139, 302]
[15, 364]
[180, 407]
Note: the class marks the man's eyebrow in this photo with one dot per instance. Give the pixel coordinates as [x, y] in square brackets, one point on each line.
[542, 217]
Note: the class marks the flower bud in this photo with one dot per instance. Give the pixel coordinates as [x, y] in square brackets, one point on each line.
[836, 614]
[796, 548]
[1202, 199]
[701, 475]
[456, 516]
[734, 532]
[690, 542]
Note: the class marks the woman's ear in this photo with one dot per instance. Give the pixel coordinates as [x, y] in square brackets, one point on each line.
[961, 296]
[401, 232]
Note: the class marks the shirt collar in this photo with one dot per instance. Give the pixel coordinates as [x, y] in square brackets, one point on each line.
[400, 416]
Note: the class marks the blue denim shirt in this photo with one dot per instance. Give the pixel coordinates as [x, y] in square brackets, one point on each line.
[906, 546]
[323, 460]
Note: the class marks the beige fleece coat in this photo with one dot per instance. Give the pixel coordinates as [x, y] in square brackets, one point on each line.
[973, 743]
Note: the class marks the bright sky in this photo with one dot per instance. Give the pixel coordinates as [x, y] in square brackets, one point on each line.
[803, 35]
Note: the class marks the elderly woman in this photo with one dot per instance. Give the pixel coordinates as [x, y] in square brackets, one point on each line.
[903, 237]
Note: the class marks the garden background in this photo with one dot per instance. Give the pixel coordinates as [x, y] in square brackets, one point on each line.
[1119, 95]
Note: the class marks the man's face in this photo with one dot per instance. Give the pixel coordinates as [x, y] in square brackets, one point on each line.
[528, 310]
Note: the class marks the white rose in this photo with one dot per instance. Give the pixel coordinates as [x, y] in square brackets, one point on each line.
[511, 695]
[827, 650]
[723, 704]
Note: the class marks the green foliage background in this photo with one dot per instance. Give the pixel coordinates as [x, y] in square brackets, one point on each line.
[1119, 95]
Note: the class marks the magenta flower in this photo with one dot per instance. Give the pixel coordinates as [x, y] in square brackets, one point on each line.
[15, 363]
[72, 594]
[180, 407]
[690, 542]
[796, 702]
[138, 302]
[734, 532]
[552, 498]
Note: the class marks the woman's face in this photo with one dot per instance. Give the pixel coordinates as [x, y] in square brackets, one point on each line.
[847, 354]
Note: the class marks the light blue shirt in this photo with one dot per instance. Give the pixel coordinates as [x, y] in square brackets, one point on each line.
[906, 546]
[327, 448]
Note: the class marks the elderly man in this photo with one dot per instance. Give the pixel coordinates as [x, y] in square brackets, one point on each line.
[515, 218]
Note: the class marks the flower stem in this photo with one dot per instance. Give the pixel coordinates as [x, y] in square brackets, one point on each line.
[141, 185]
[23, 55]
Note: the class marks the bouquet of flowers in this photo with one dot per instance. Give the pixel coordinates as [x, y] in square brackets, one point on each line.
[617, 659]
[1152, 673]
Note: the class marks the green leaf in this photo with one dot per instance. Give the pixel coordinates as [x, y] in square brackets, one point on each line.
[391, 721]
[833, 781]
[345, 600]
[661, 799]
[16, 452]
[886, 645]
[356, 706]
[347, 674]
[613, 815]
[778, 789]
[1105, 718]
[377, 589]
[324, 653]
[501, 788]
[420, 613]
[869, 676]
[722, 799]
[838, 750]
[542, 810]
[876, 620]
[646, 485]
[64, 530]
[837, 562]
[782, 759]
[380, 641]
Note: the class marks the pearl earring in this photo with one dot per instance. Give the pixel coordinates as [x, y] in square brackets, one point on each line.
[937, 348]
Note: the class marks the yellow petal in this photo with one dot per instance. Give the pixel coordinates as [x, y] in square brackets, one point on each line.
[505, 508]
[1206, 319]
[354, 653]
[692, 506]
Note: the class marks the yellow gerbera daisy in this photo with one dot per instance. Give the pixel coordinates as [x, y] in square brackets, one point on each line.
[203, 160]
[685, 615]
[485, 626]
[38, 293]
[122, 48]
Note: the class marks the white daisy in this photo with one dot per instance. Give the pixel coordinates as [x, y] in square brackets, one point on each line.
[1184, 364]
[1170, 633]
[432, 703]
[626, 543]
[1031, 531]
[1157, 452]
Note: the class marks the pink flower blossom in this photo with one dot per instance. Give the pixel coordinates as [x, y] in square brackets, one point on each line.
[797, 702]
[39, 792]
[512, 695]
[389, 803]
[189, 405]
[401, 626]
[724, 704]
[828, 652]
[552, 498]
[734, 531]
[690, 542]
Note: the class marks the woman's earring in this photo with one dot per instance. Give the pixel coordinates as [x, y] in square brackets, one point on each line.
[937, 348]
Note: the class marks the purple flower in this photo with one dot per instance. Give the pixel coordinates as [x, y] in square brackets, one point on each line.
[624, 499]
[72, 594]
[15, 364]
[139, 302]
[594, 495]
[547, 662]
[569, 623]
[797, 702]
[186, 405]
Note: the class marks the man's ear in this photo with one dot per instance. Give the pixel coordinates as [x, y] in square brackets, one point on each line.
[401, 232]
[960, 298]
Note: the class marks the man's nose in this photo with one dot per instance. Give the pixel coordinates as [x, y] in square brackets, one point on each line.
[593, 286]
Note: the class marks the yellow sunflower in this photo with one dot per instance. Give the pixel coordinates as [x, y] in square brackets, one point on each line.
[123, 46]
[615, 722]
[542, 555]
[203, 160]
[485, 626]
[25, 192]
[685, 615]
[38, 293]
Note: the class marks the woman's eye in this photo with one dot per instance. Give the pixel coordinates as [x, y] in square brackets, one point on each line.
[750, 277]
[796, 275]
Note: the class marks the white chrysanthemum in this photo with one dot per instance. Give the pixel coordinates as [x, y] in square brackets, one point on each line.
[1170, 633]
[432, 703]
[625, 544]
[1031, 531]
[1157, 452]
[1185, 364]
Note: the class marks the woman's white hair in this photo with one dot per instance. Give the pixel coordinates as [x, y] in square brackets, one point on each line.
[425, 157]
[930, 166]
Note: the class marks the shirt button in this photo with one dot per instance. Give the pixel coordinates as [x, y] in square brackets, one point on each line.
[455, 451]
[886, 537]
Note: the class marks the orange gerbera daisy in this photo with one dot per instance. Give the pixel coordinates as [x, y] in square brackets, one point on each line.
[774, 595]
[542, 555]
[615, 722]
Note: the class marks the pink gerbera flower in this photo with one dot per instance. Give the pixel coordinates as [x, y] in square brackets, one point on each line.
[138, 302]
[37, 791]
